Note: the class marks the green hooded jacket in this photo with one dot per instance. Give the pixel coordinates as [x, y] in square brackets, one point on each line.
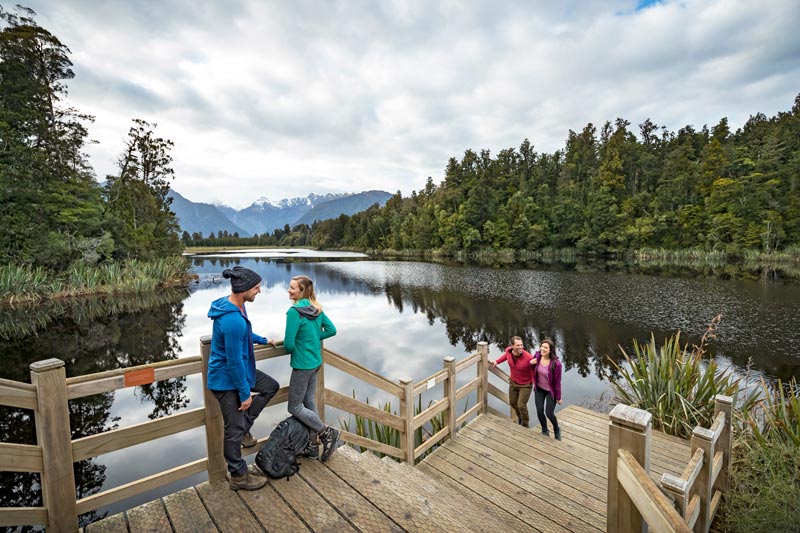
[306, 327]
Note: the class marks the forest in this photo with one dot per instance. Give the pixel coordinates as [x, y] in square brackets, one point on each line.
[608, 191]
[56, 217]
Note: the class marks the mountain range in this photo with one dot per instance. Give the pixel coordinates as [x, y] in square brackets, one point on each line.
[264, 216]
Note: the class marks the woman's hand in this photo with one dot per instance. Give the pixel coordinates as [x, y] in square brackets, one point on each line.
[559, 402]
[274, 344]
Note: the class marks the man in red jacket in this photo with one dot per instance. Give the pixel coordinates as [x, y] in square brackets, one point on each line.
[521, 383]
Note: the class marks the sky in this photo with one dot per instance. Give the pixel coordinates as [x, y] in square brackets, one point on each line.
[280, 99]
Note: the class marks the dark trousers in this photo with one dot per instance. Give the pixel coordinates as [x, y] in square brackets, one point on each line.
[545, 404]
[518, 396]
[237, 423]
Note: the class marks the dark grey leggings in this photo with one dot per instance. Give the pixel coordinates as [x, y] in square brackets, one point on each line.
[545, 403]
[302, 398]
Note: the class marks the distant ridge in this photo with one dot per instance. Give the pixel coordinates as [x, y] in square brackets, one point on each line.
[265, 215]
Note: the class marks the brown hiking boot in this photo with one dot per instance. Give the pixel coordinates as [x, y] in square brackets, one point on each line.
[247, 482]
[248, 441]
[256, 471]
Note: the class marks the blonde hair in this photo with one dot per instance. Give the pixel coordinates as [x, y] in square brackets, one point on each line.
[306, 287]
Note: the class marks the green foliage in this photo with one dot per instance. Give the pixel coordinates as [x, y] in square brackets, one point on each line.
[52, 210]
[675, 385]
[26, 284]
[365, 427]
[603, 193]
[765, 494]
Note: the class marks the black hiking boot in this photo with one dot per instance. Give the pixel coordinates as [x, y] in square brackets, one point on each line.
[329, 439]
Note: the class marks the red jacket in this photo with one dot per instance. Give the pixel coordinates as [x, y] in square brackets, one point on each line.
[521, 369]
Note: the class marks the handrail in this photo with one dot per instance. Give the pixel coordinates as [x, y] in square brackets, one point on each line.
[17, 394]
[657, 511]
[51, 382]
[696, 493]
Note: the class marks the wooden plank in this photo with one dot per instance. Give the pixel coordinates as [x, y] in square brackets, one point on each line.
[668, 448]
[409, 510]
[139, 486]
[181, 362]
[187, 513]
[475, 409]
[215, 425]
[571, 457]
[497, 393]
[522, 502]
[270, 509]
[358, 510]
[53, 434]
[371, 444]
[346, 403]
[309, 505]
[464, 503]
[357, 371]
[654, 507]
[424, 416]
[499, 373]
[17, 394]
[226, 508]
[492, 411]
[23, 516]
[151, 517]
[431, 442]
[430, 382]
[112, 524]
[574, 494]
[465, 389]
[597, 439]
[468, 362]
[117, 439]
[476, 481]
[263, 351]
[20, 457]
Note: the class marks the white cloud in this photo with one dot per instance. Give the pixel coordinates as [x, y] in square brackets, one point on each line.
[286, 98]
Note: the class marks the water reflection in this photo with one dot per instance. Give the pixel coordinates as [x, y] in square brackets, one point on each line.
[398, 318]
[89, 336]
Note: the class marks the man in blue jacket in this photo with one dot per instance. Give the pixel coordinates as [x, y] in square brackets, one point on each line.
[242, 391]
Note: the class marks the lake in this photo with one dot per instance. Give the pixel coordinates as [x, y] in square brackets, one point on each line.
[398, 318]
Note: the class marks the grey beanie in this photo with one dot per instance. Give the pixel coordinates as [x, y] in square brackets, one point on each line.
[242, 279]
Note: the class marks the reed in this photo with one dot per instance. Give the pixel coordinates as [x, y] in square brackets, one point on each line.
[674, 384]
[365, 427]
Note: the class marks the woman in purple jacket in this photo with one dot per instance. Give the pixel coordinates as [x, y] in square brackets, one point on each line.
[547, 385]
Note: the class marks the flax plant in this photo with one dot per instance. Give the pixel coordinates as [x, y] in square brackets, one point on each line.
[365, 427]
[674, 384]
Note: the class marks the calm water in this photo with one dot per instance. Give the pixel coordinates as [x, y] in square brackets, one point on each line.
[396, 318]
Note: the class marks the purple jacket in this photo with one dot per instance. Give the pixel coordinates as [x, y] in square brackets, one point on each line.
[555, 374]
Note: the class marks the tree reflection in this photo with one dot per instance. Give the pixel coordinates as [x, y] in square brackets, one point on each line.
[89, 336]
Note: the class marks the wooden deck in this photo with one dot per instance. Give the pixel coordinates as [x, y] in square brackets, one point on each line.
[495, 476]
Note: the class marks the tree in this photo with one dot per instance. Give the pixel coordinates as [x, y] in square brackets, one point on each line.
[50, 205]
[145, 227]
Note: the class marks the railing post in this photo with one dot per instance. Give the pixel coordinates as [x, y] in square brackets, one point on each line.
[629, 429]
[54, 436]
[215, 426]
[450, 394]
[320, 394]
[407, 410]
[704, 438]
[483, 374]
[724, 404]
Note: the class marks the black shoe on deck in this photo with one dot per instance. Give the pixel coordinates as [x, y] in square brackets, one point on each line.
[329, 439]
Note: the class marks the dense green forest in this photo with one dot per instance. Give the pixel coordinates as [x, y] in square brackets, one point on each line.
[605, 192]
[54, 214]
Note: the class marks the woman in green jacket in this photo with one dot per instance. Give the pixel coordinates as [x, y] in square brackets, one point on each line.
[306, 326]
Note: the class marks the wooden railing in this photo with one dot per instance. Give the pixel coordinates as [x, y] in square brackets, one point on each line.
[54, 454]
[682, 503]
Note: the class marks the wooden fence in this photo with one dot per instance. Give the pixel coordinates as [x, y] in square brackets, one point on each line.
[53, 456]
[681, 503]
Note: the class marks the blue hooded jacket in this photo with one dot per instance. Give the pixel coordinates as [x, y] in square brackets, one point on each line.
[232, 364]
